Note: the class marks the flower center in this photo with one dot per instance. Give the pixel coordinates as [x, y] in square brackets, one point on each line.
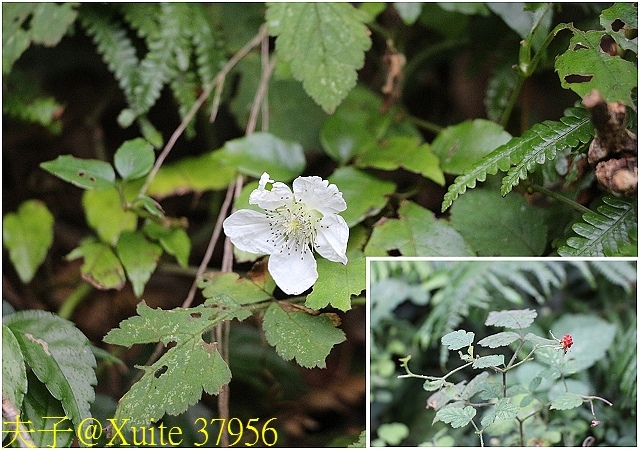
[293, 227]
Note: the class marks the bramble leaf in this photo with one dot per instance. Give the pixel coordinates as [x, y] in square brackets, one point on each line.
[458, 339]
[60, 356]
[174, 241]
[177, 379]
[242, 290]
[568, 400]
[502, 410]
[488, 361]
[101, 267]
[325, 44]
[84, 173]
[28, 234]
[134, 159]
[625, 14]
[104, 213]
[501, 339]
[604, 232]
[515, 319]
[300, 335]
[139, 258]
[455, 416]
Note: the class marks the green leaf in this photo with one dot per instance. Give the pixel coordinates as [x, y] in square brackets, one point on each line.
[585, 67]
[356, 124]
[416, 233]
[60, 356]
[134, 159]
[177, 379]
[263, 152]
[461, 146]
[150, 205]
[625, 16]
[297, 334]
[501, 339]
[174, 241]
[488, 361]
[455, 416]
[496, 226]
[515, 319]
[537, 340]
[405, 152]
[393, 433]
[139, 258]
[325, 44]
[502, 410]
[565, 401]
[458, 339]
[104, 213]
[84, 173]
[408, 11]
[474, 386]
[14, 373]
[433, 385]
[101, 267]
[242, 290]
[338, 282]
[28, 234]
[364, 194]
[500, 88]
[604, 232]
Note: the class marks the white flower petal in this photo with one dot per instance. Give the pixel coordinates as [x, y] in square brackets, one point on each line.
[294, 273]
[264, 179]
[249, 231]
[318, 194]
[279, 195]
[332, 237]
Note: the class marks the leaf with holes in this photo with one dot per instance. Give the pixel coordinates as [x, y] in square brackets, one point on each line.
[84, 173]
[242, 290]
[177, 379]
[60, 356]
[515, 319]
[28, 234]
[297, 334]
[325, 44]
[585, 66]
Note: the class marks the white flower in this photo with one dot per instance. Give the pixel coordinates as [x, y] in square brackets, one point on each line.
[293, 225]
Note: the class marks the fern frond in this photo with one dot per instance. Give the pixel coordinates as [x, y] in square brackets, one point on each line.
[184, 87]
[620, 273]
[605, 232]
[543, 141]
[534, 147]
[209, 57]
[115, 47]
[143, 17]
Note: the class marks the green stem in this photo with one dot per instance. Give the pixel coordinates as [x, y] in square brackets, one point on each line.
[559, 197]
[429, 126]
[70, 303]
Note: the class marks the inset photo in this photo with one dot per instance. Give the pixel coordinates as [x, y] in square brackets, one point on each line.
[494, 352]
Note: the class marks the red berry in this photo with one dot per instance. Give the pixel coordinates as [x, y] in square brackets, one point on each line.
[566, 342]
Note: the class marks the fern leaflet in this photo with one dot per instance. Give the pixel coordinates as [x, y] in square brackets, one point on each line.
[543, 141]
[534, 147]
[603, 233]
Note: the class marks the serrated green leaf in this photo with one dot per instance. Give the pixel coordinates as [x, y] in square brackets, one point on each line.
[496, 226]
[139, 258]
[104, 213]
[178, 378]
[393, 433]
[502, 410]
[501, 339]
[338, 282]
[461, 146]
[242, 290]
[474, 386]
[364, 194]
[84, 173]
[458, 339]
[416, 233]
[488, 361]
[612, 76]
[406, 152]
[60, 356]
[565, 401]
[604, 232]
[543, 141]
[455, 416]
[174, 241]
[14, 373]
[263, 152]
[432, 385]
[515, 318]
[28, 234]
[537, 340]
[297, 334]
[101, 267]
[45, 412]
[326, 55]
[134, 159]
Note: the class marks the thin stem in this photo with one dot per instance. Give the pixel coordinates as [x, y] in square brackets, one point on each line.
[70, 303]
[429, 126]
[478, 432]
[559, 197]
